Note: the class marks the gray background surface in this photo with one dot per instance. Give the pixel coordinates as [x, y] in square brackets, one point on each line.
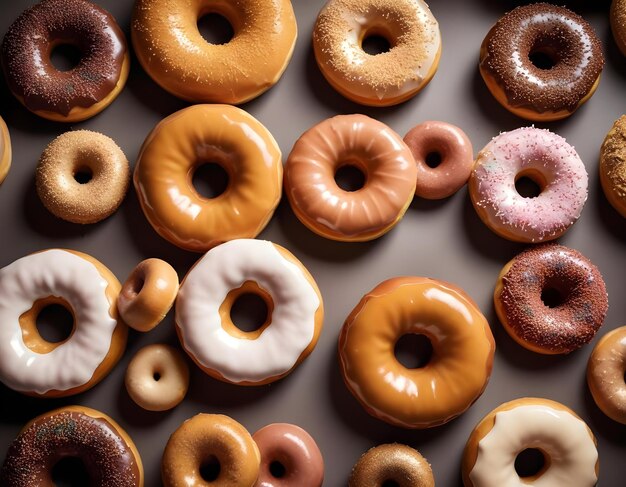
[444, 240]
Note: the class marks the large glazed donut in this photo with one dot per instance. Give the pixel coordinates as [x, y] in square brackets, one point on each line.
[613, 166]
[5, 150]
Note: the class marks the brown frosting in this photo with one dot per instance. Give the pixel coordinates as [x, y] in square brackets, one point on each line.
[613, 165]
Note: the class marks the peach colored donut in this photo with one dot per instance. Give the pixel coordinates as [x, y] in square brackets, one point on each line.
[5, 150]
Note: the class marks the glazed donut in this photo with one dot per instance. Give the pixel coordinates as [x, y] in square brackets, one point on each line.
[208, 292]
[186, 140]
[618, 23]
[387, 78]
[77, 154]
[148, 294]
[85, 90]
[171, 49]
[613, 166]
[457, 372]
[5, 150]
[391, 464]
[567, 67]
[289, 457]
[551, 163]
[371, 147]
[210, 440]
[85, 287]
[453, 155]
[106, 451]
[567, 444]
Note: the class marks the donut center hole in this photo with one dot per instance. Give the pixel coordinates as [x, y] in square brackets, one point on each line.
[210, 180]
[527, 187]
[552, 297]
[156, 376]
[543, 58]
[215, 28]
[55, 323]
[350, 178]
[70, 472]
[433, 159]
[374, 44]
[65, 57]
[390, 483]
[529, 462]
[277, 469]
[210, 469]
[83, 175]
[249, 312]
[413, 351]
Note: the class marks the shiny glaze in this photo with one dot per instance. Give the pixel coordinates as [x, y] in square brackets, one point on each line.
[613, 166]
[5, 150]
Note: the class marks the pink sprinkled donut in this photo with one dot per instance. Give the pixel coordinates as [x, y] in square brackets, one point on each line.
[546, 159]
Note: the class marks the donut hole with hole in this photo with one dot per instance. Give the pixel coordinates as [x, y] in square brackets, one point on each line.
[531, 463]
[351, 176]
[69, 471]
[65, 56]
[215, 28]
[414, 350]
[530, 183]
[48, 324]
[210, 469]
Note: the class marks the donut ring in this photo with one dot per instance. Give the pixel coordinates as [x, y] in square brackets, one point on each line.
[5, 150]
[613, 166]
[71, 155]
[618, 23]
[85, 90]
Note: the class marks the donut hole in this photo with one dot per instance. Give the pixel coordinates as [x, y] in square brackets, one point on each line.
[156, 376]
[215, 28]
[70, 472]
[210, 180]
[413, 351]
[350, 177]
[390, 483]
[530, 462]
[65, 57]
[54, 323]
[249, 312]
[83, 175]
[552, 297]
[528, 185]
[210, 469]
[137, 285]
[543, 57]
[375, 44]
[433, 159]
[277, 469]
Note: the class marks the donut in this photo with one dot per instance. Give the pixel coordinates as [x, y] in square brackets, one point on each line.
[171, 49]
[613, 166]
[444, 158]
[546, 159]
[456, 374]
[5, 150]
[88, 290]
[148, 294]
[289, 457]
[387, 78]
[391, 464]
[105, 450]
[564, 440]
[85, 90]
[190, 138]
[211, 443]
[541, 61]
[294, 318]
[362, 143]
[618, 23]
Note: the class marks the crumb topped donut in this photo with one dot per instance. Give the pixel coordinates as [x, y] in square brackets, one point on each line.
[618, 23]
[5, 150]
[613, 166]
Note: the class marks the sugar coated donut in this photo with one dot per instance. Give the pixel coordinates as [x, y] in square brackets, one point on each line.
[613, 166]
[546, 159]
[618, 23]
[444, 158]
[371, 147]
[85, 90]
[208, 292]
[448, 384]
[87, 289]
[82, 176]
[391, 464]
[387, 78]
[171, 49]
[190, 138]
[105, 450]
[567, 444]
[5, 150]
[213, 442]
[289, 457]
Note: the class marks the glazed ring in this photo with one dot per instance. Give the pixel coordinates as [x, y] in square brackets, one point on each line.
[186, 140]
[208, 292]
[173, 52]
[5, 150]
[85, 90]
[546, 159]
[618, 23]
[566, 443]
[448, 384]
[387, 78]
[567, 64]
[367, 145]
[87, 289]
[613, 166]
[551, 299]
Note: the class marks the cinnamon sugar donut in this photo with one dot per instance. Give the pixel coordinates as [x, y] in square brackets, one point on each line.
[618, 23]
[5, 150]
[613, 166]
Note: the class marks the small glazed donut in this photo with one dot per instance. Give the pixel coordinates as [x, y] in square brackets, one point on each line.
[295, 312]
[551, 163]
[210, 440]
[455, 376]
[85, 90]
[106, 451]
[85, 287]
[618, 23]
[567, 444]
[186, 140]
[453, 155]
[387, 78]
[371, 147]
[171, 49]
[613, 166]
[5, 150]
[148, 294]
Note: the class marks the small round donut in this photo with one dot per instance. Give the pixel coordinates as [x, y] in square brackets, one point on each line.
[391, 464]
[457, 372]
[551, 299]
[369, 146]
[189, 138]
[171, 49]
[546, 159]
[72, 158]
[383, 79]
[618, 23]
[295, 312]
[81, 92]
[567, 444]
[5, 150]
[148, 294]
[85, 287]
[613, 166]
[215, 441]
[444, 158]
[105, 450]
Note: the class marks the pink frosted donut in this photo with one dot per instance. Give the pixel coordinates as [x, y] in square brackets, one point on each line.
[546, 159]
[444, 158]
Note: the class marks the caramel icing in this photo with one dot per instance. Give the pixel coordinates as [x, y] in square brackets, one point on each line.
[5, 150]
[613, 165]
